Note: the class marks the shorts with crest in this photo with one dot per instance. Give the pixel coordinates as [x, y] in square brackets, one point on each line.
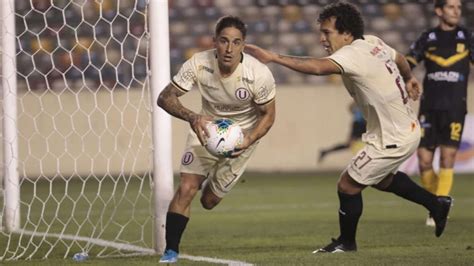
[222, 173]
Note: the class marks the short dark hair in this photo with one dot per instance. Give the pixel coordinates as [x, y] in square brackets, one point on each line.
[348, 18]
[231, 21]
[439, 3]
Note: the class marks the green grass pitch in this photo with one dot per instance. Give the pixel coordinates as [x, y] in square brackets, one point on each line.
[279, 219]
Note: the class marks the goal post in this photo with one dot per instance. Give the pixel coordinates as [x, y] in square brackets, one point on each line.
[10, 139]
[160, 69]
[86, 160]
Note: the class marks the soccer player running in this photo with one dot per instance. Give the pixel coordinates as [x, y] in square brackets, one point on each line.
[233, 85]
[380, 81]
[446, 51]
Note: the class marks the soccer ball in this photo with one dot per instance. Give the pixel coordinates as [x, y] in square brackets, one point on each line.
[224, 136]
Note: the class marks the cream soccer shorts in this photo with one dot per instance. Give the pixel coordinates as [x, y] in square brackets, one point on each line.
[222, 173]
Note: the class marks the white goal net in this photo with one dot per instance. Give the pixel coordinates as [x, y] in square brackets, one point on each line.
[81, 127]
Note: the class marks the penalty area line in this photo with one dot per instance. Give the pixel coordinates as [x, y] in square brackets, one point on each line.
[128, 247]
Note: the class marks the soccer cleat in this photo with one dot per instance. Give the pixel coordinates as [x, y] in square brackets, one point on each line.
[429, 221]
[337, 246]
[440, 217]
[170, 256]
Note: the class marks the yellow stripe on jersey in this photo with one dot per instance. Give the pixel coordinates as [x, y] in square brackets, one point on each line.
[338, 66]
[446, 62]
[178, 87]
[412, 60]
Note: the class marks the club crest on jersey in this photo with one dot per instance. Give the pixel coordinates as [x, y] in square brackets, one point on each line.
[460, 35]
[242, 94]
[188, 158]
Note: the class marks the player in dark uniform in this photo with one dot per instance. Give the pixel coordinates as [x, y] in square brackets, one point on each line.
[354, 142]
[447, 51]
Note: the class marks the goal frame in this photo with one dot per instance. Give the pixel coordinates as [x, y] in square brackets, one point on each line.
[159, 75]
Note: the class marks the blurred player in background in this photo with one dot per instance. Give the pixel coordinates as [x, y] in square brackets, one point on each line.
[232, 85]
[446, 51]
[380, 81]
[358, 127]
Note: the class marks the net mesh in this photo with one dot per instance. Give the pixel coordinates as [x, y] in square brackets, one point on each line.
[84, 129]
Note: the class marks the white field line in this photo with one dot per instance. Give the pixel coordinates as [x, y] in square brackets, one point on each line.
[215, 260]
[127, 247]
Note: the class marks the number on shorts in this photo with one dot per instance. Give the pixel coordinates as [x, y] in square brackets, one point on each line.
[455, 131]
[363, 159]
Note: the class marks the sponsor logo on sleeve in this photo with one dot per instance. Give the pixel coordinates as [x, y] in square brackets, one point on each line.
[262, 93]
[460, 35]
[432, 36]
[185, 77]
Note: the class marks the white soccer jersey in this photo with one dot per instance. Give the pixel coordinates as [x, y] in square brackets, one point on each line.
[232, 97]
[371, 76]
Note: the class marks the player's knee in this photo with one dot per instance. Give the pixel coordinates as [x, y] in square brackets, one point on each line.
[447, 160]
[347, 188]
[348, 185]
[208, 204]
[342, 187]
[188, 190]
[425, 165]
[209, 200]
[425, 159]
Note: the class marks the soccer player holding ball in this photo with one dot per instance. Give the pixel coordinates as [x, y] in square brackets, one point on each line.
[232, 85]
[380, 81]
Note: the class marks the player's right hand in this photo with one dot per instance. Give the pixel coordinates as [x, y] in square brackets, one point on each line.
[199, 125]
[413, 88]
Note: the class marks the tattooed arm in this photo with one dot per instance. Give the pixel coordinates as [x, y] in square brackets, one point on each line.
[307, 65]
[168, 101]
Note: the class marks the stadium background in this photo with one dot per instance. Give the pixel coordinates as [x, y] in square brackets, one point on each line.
[312, 112]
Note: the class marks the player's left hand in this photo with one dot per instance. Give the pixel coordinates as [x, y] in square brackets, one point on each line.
[413, 88]
[261, 54]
